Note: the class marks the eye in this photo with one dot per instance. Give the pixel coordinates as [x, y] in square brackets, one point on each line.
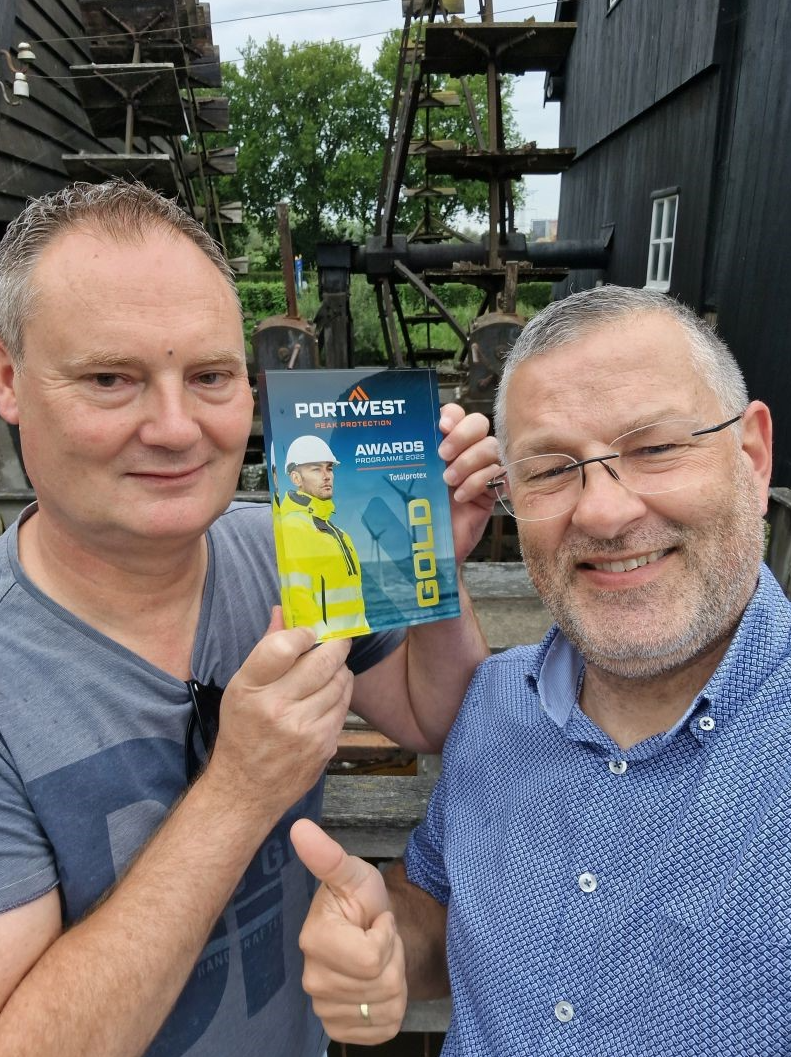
[211, 378]
[105, 380]
[655, 451]
[551, 473]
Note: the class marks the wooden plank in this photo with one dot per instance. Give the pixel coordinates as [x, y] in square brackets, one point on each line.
[502, 165]
[204, 69]
[27, 139]
[43, 22]
[460, 48]
[362, 744]
[26, 179]
[373, 815]
[154, 170]
[114, 29]
[218, 162]
[498, 580]
[46, 132]
[212, 113]
[621, 64]
[152, 88]
[428, 1016]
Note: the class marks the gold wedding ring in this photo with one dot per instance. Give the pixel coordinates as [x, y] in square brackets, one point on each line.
[364, 1011]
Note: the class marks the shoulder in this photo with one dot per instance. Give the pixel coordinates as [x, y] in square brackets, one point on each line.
[503, 686]
[520, 661]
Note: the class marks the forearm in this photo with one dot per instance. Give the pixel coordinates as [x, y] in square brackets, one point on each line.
[413, 695]
[441, 660]
[421, 923]
[106, 985]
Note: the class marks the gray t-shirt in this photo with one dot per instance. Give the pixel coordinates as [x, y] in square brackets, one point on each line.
[92, 758]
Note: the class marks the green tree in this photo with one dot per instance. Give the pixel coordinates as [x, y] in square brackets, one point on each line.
[309, 120]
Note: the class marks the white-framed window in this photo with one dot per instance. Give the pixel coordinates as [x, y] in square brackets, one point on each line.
[663, 236]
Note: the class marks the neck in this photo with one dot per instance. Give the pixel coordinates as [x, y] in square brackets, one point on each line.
[147, 599]
[630, 710]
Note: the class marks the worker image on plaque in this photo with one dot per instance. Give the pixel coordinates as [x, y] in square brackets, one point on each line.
[321, 575]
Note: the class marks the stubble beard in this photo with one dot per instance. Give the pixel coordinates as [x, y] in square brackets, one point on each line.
[677, 620]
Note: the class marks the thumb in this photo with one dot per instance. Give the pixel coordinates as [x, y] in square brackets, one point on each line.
[275, 620]
[277, 652]
[358, 887]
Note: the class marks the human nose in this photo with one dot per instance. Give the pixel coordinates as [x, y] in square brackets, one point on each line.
[605, 507]
[170, 420]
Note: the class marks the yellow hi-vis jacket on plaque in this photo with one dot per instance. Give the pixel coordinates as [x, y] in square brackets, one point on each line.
[321, 570]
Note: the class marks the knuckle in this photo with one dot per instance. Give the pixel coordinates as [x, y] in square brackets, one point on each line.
[392, 979]
[371, 963]
[311, 980]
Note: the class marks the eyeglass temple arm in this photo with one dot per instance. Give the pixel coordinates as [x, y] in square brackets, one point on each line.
[716, 429]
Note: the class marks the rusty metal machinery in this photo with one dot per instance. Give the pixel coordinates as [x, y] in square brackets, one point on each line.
[436, 42]
[285, 342]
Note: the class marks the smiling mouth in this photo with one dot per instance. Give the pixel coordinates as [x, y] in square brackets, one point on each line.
[169, 475]
[626, 565]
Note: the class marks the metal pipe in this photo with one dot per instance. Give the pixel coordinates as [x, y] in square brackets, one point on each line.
[420, 257]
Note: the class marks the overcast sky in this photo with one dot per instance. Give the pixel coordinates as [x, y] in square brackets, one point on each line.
[363, 23]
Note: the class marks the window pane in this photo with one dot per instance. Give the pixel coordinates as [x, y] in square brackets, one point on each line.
[656, 220]
[652, 255]
[663, 263]
[669, 218]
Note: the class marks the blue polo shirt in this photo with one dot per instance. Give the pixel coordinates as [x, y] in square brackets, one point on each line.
[617, 902]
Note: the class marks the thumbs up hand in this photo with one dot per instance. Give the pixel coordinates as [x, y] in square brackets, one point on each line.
[354, 957]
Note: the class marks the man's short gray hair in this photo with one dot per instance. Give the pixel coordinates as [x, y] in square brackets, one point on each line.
[124, 211]
[566, 321]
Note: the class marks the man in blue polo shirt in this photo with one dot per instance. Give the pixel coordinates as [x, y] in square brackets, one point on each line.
[605, 863]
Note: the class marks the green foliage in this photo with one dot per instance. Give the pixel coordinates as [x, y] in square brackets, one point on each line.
[532, 297]
[262, 299]
[309, 120]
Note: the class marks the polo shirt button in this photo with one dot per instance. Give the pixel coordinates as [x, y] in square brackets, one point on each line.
[618, 766]
[564, 1011]
[706, 723]
[588, 882]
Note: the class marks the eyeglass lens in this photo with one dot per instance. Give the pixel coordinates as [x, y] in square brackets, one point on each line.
[652, 460]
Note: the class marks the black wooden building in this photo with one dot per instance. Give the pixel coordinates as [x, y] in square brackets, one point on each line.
[36, 133]
[680, 113]
[121, 89]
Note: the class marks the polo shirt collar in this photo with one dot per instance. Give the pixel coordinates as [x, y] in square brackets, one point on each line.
[761, 641]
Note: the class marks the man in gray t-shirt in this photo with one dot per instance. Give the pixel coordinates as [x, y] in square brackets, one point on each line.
[139, 910]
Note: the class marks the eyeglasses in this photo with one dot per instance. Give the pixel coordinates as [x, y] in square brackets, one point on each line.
[204, 723]
[654, 459]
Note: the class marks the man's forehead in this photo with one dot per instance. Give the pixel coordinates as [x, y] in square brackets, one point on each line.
[625, 371]
[88, 251]
[652, 346]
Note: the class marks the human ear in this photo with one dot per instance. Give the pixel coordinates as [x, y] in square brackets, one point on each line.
[8, 402]
[757, 446]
